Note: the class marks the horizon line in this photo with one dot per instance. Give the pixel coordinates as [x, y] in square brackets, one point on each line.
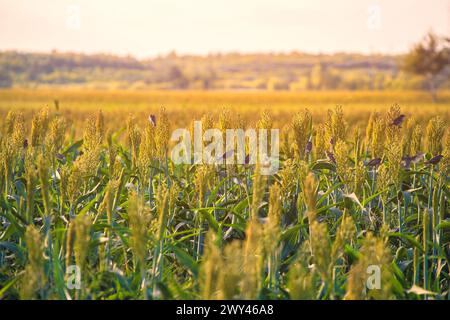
[204, 55]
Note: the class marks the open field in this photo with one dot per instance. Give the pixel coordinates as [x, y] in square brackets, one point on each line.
[93, 207]
[185, 106]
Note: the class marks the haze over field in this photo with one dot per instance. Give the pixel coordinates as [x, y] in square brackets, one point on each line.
[150, 28]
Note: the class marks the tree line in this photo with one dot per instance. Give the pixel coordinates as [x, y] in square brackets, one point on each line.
[426, 67]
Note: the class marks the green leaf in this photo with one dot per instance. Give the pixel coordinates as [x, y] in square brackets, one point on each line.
[72, 148]
[323, 165]
[406, 238]
[327, 193]
[9, 284]
[210, 218]
[186, 260]
[444, 225]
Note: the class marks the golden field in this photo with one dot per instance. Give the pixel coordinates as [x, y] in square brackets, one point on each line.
[185, 106]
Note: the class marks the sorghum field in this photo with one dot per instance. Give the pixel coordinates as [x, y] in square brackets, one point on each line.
[92, 207]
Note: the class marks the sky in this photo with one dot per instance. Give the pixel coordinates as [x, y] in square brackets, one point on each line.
[149, 28]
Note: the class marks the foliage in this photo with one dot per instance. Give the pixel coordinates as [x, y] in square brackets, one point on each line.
[430, 58]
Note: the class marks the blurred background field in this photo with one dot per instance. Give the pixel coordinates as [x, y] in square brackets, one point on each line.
[185, 106]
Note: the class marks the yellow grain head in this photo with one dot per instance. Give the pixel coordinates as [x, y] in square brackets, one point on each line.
[335, 126]
[74, 183]
[100, 125]
[39, 127]
[241, 122]
[434, 135]
[82, 231]
[345, 234]
[10, 120]
[288, 177]
[134, 139]
[225, 119]
[300, 278]
[377, 139]
[359, 177]
[309, 194]
[321, 249]
[231, 275]
[147, 152]
[203, 181]
[112, 151]
[34, 276]
[285, 142]
[407, 135]
[162, 204]
[15, 133]
[108, 200]
[162, 134]
[208, 121]
[384, 179]
[393, 131]
[265, 121]
[342, 161]
[416, 140]
[252, 260]
[393, 152]
[93, 131]
[88, 162]
[320, 142]
[369, 128]
[55, 137]
[211, 268]
[138, 218]
[301, 128]
[374, 262]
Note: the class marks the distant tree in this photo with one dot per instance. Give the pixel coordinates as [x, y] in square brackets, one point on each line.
[316, 76]
[208, 78]
[5, 79]
[330, 79]
[177, 78]
[429, 58]
[276, 84]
